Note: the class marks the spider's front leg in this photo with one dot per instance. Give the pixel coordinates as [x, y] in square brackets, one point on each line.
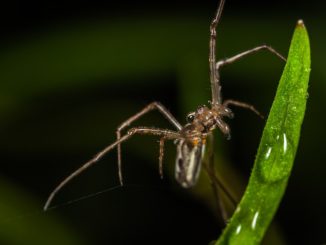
[243, 105]
[215, 73]
[237, 57]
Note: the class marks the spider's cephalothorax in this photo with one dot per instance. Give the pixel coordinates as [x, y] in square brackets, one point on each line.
[191, 148]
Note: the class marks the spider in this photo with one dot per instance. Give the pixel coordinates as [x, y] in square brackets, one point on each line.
[191, 138]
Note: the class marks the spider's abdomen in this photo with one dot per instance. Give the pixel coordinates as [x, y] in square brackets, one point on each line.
[188, 161]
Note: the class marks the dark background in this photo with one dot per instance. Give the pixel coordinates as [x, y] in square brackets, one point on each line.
[70, 72]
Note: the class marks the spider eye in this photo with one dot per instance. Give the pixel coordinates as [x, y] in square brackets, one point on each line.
[190, 117]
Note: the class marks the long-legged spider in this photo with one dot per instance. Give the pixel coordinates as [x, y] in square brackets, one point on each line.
[190, 138]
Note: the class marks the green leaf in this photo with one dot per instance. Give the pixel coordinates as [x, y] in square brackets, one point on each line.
[277, 149]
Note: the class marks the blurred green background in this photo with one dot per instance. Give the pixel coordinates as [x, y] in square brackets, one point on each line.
[71, 72]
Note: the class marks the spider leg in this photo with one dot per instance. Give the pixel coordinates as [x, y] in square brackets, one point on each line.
[216, 88]
[216, 183]
[219, 203]
[168, 134]
[154, 105]
[214, 75]
[243, 105]
[162, 140]
[237, 57]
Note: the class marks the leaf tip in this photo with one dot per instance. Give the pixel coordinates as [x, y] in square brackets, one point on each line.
[300, 23]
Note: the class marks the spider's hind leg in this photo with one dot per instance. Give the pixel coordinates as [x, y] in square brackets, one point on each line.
[152, 106]
[216, 183]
